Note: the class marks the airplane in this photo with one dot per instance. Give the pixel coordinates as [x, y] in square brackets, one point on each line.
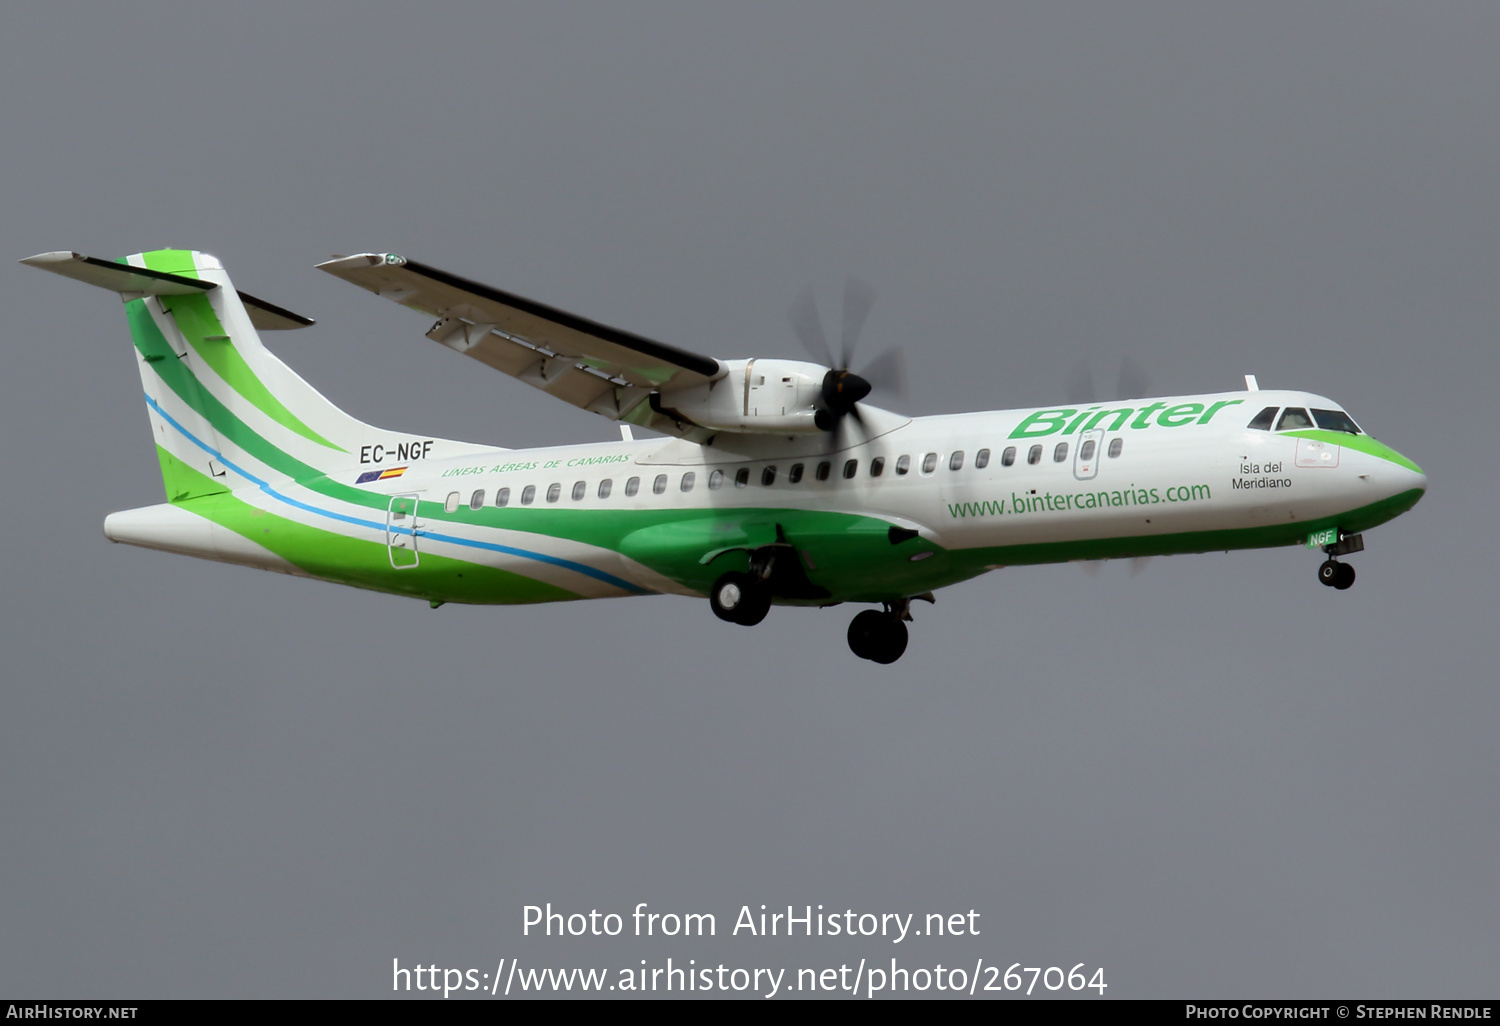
[773, 481]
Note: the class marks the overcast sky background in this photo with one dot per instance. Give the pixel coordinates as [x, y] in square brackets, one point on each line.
[1214, 778]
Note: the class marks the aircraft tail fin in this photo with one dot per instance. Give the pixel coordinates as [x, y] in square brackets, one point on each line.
[224, 410]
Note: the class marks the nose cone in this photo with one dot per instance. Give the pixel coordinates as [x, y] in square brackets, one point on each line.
[1407, 474]
[1419, 480]
[1398, 478]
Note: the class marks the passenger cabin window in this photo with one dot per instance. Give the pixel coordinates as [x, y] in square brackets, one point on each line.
[450, 504]
[605, 487]
[1086, 451]
[1264, 419]
[903, 464]
[1294, 419]
[956, 461]
[794, 475]
[822, 471]
[850, 469]
[929, 463]
[768, 476]
[580, 489]
[1060, 453]
[554, 491]
[502, 497]
[1008, 457]
[877, 466]
[659, 486]
[632, 486]
[1034, 455]
[981, 459]
[716, 480]
[742, 477]
[476, 501]
[1336, 420]
[528, 495]
[687, 481]
[1115, 446]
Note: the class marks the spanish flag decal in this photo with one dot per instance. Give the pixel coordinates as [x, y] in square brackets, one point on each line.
[379, 475]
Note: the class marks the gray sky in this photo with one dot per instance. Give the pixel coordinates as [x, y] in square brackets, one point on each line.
[1214, 778]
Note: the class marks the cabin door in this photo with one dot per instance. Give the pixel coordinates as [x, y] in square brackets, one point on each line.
[1086, 459]
[401, 531]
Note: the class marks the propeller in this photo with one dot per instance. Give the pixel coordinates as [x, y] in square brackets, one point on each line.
[843, 389]
[1132, 383]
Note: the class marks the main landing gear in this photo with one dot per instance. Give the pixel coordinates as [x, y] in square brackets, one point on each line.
[881, 636]
[775, 572]
[740, 598]
[1338, 575]
[877, 636]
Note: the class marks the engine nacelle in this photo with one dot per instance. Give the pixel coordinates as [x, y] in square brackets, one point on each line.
[764, 397]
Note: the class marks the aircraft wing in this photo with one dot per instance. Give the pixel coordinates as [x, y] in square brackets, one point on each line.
[590, 365]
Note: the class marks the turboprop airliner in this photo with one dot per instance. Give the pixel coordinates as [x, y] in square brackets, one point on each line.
[765, 481]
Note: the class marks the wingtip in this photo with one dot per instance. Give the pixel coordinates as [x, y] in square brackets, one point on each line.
[359, 261]
[55, 257]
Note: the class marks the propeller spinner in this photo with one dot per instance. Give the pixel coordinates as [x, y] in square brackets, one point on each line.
[843, 389]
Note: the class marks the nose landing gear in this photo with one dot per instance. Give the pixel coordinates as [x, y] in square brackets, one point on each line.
[1338, 575]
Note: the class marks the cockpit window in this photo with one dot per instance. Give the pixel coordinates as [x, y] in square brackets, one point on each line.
[1336, 420]
[1294, 419]
[1264, 419]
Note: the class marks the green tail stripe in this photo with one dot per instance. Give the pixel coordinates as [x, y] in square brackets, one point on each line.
[172, 261]
[153, 345]
[197, 321]
[199, 325]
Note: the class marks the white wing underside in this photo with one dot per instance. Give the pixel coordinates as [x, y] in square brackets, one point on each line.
[589, 365]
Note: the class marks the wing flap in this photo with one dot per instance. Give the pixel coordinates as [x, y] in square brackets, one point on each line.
[507, 331]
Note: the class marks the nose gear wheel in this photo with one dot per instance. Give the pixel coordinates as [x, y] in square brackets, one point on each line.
[1336, 575]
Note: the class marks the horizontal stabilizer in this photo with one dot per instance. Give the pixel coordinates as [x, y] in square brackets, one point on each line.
[142, 281]
[270, 317]
[117, 277]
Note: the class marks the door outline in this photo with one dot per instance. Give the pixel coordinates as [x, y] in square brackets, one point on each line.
[401, 533]
[1087, 470]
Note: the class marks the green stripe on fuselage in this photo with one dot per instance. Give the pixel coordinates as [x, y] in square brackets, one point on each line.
[1359, 443]
[1271, 536]
[366, 564]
